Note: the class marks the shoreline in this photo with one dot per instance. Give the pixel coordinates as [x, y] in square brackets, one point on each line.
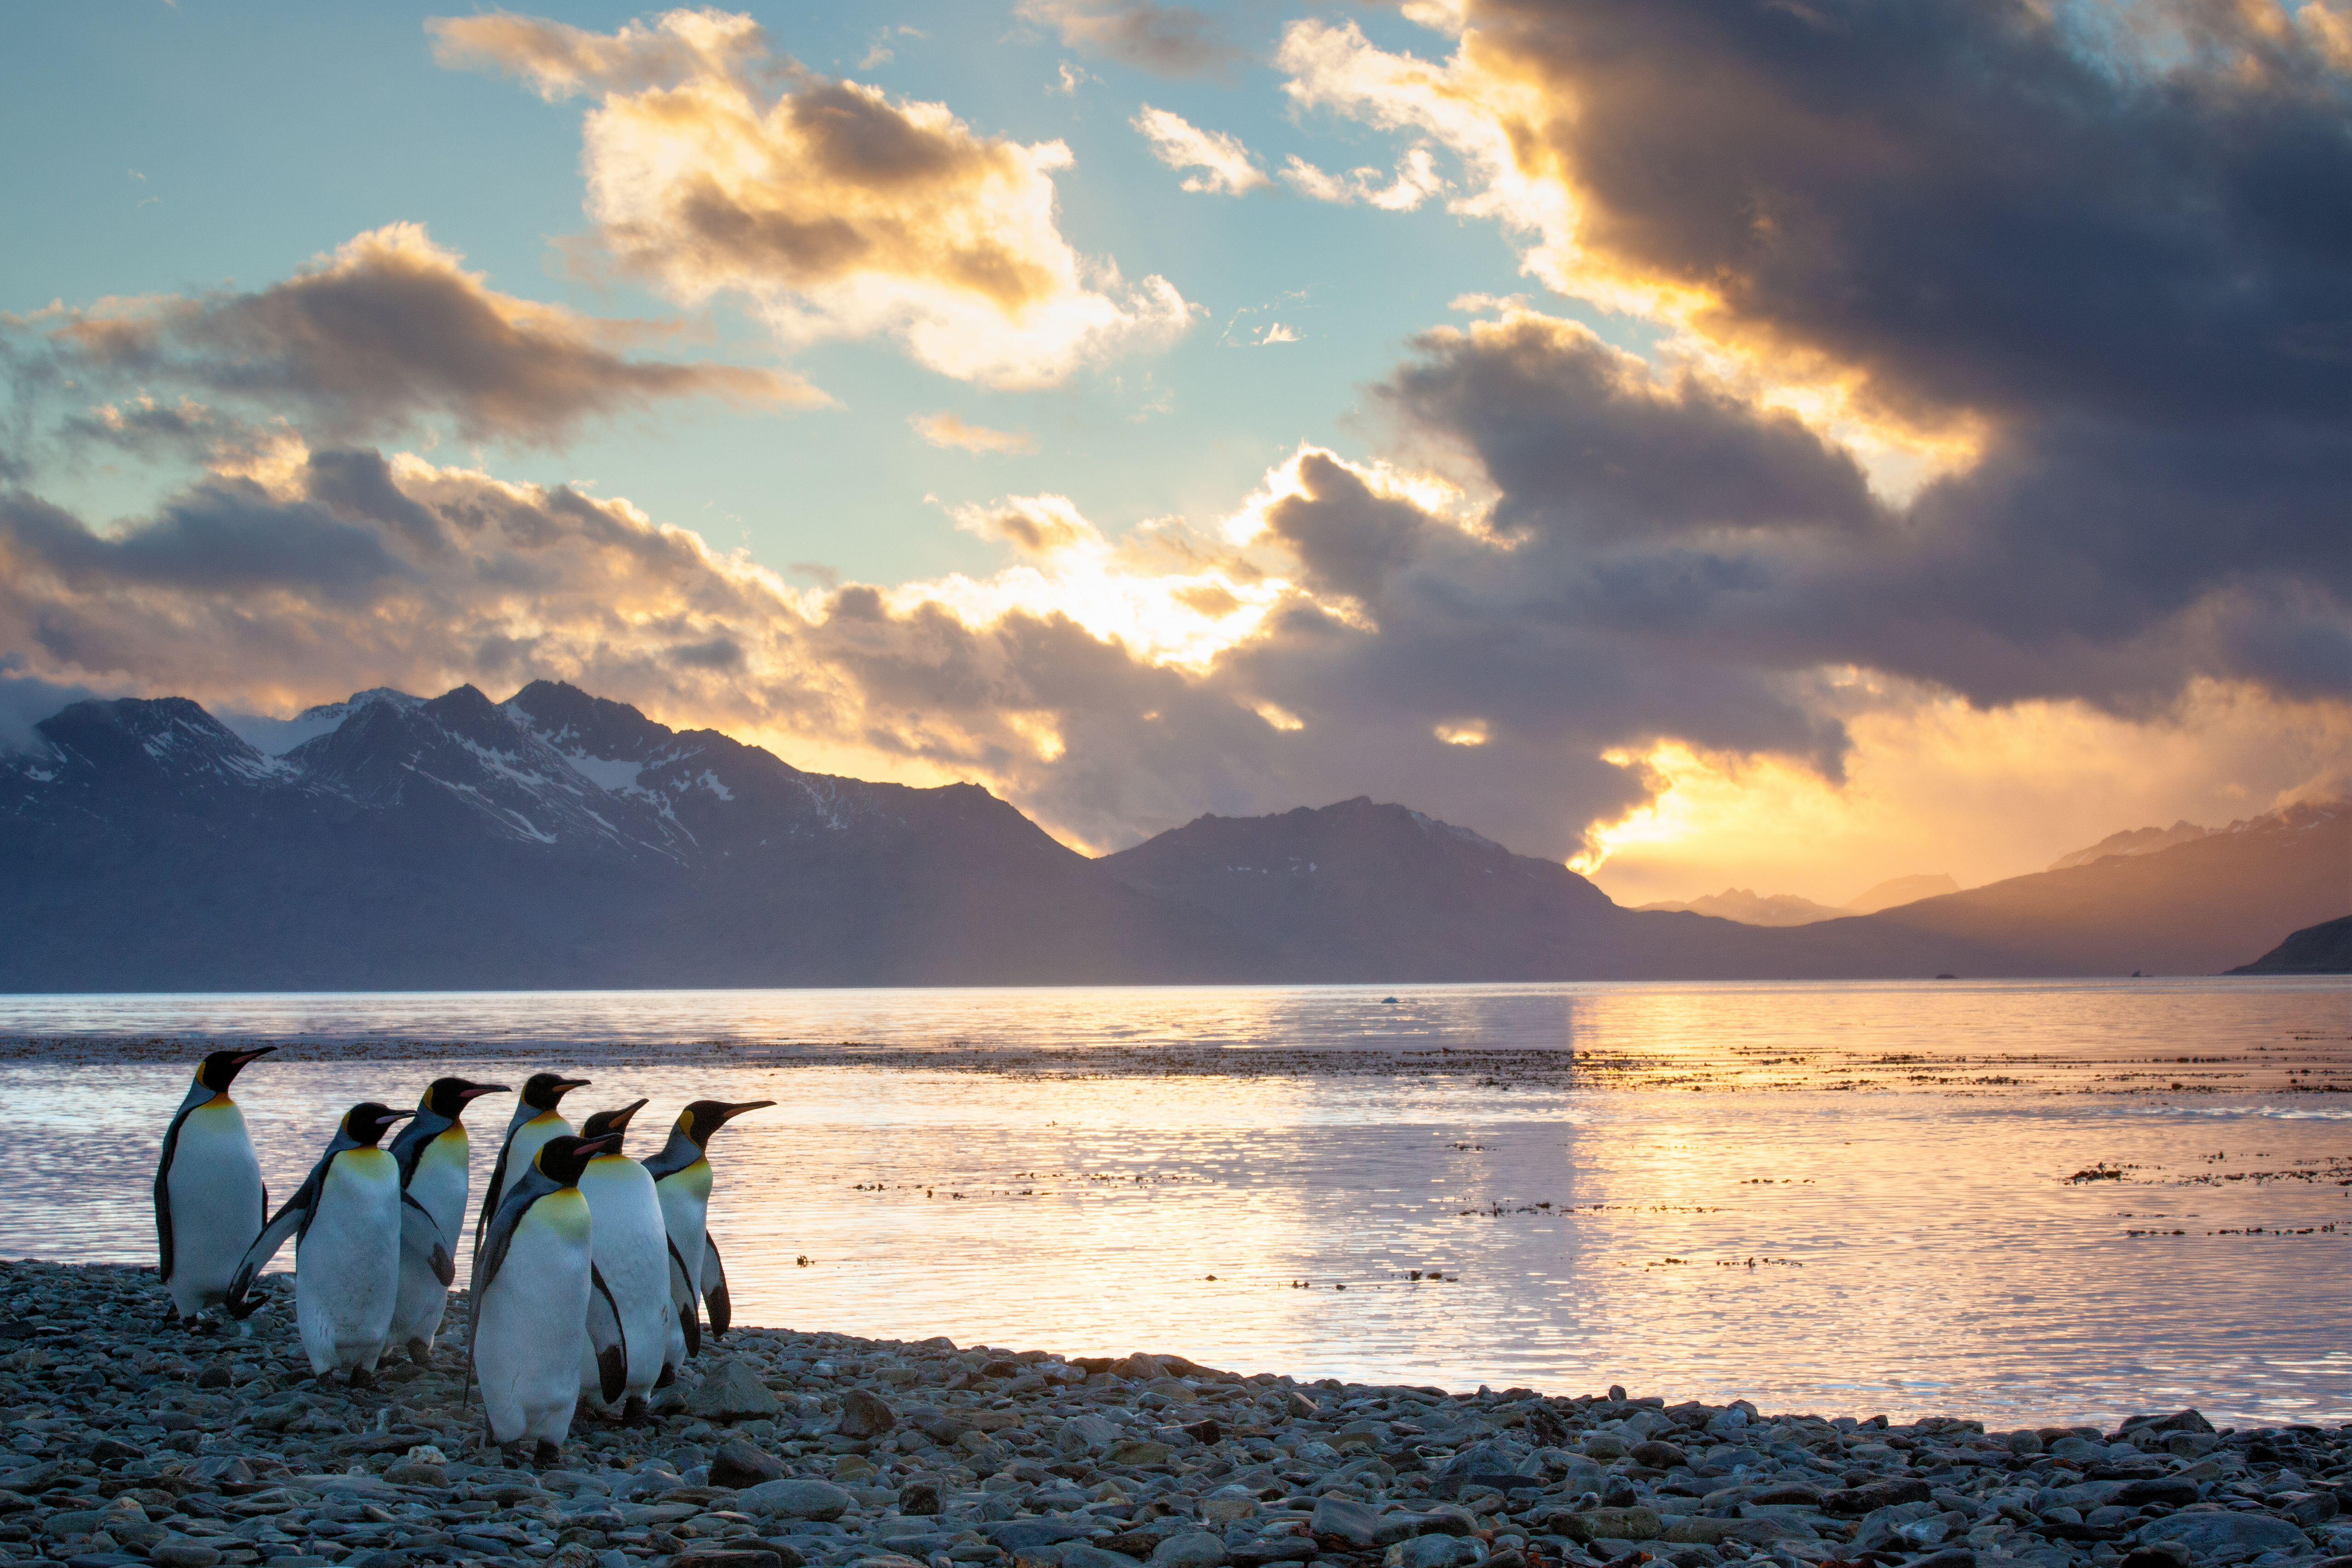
[132, 1441]
[2314, 1070]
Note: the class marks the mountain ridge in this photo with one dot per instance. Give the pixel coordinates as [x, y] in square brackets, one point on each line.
[561, 839]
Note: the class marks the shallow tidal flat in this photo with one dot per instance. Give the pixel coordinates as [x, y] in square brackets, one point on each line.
[1455, 1189]
[132, 1443]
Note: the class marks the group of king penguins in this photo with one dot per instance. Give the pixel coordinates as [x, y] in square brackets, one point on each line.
[591, 1269]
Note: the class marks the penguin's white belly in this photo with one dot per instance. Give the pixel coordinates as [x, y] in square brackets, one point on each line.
[214, 1185]
[347, 1265]
[527, 1338]
[439, 1187]
[686, 1206]
[632, 1251]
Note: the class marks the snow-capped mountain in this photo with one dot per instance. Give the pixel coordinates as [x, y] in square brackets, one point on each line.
[552, 839]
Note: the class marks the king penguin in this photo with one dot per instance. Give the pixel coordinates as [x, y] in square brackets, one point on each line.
[534, 1121]
[681, 1174]
[536, 1284]
[347, 1220]
[434, 1156]
[632, 1252]
[209, 1198]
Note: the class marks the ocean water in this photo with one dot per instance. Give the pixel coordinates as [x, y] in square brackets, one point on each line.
[2025, 1202]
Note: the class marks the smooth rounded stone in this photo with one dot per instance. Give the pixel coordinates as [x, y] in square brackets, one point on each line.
[1228, 1504]
[2205, 1533]
[1078, 1554]
[795, 1497]
[183, 1554]
[1434, 1552]
[863, 1414]
[731, 1557]
[739, 1464]
[1192, 1548]
[1657, 1456]
[1636, 1524]
[415, 1473]
[920, 1498]
[732, 1391]
[1084, 1434]
[1697, 1532]
[1337, 1518]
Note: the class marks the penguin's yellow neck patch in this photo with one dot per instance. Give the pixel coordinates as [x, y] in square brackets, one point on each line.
[695, 1178]
[564, 1212]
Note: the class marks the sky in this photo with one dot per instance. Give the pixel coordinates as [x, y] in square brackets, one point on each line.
[1777, 445]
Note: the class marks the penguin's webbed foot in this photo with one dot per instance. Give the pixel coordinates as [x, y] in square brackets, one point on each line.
[363, 1377]
[511, 1454]
[421, 1353]
[668, 1375]
[547, 1454]
[636, 1412]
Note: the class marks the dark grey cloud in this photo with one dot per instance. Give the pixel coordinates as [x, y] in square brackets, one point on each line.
[26, 701]
[2078, 558]
[388, 334]
[1982, 204]
[1167, 40]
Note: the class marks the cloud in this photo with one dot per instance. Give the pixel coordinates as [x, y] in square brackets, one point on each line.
[1167, 40]
[1413, 181]
[1914, 227]
[950, 431]
[834, 209]
[388, 333]
[24, 701]
[1226, 167]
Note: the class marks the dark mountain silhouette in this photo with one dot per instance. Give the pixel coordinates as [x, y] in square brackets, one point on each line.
[2322, 949]
[554, 840]
[1363, 891]
[2190, 908]
[559, 840]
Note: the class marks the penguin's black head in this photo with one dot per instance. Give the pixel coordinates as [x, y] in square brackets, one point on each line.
[366, 1124]
[705, 1117]
[449, 1096]
[562, 1160]
[544, 1088]
[605, 1121]
[218, 1070]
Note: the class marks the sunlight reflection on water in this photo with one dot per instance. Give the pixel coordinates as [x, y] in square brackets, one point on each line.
[1869, 1210]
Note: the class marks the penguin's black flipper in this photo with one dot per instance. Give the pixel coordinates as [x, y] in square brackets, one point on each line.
[163, 1196]
[714, 1287]
[291, 1220]
[420, 1234]
[606, 1337]
[492, 1195]
[681, 1295]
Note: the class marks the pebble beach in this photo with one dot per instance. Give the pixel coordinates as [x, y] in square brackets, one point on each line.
[130, 1441]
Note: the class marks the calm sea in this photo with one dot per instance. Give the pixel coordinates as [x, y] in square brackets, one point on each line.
[2026, 1202]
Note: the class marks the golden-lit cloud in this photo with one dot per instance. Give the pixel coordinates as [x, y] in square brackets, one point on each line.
[1499, 120]
[950, 431]
[1933, 785]
[1413, 181]
[1226, 167]
[831, 208]
[388, 331]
